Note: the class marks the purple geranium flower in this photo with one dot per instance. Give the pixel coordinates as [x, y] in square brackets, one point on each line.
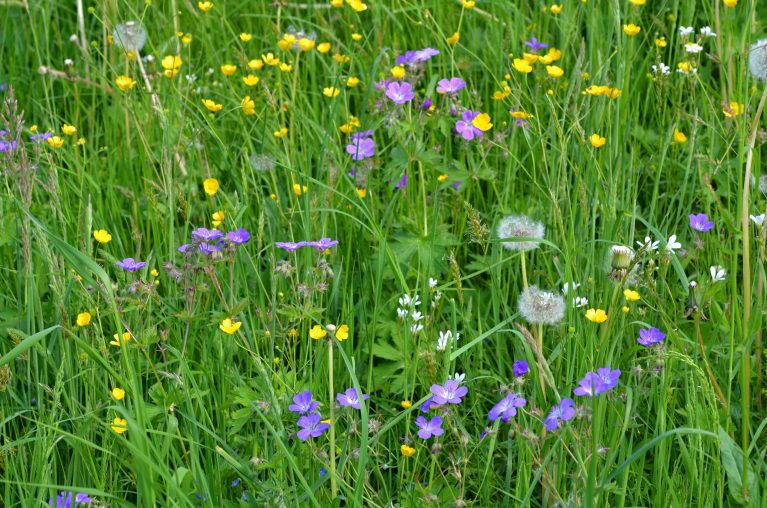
[361, 135]
[184, 248]
[290, 246]
[428, 428]
[450, 86]
[206, 235]
[416, 56]
[589, 386]
[449, 393]
[65, 500]
[564, 411]
[507, 407]
[520, 368]
[361, 148]
[131, 265]
[535, 46]
[400, 93]
[427, 103]
[402, 183]
[303, 403]
[426, 406]
[41, 137]
[351, 398]
[311, 426]
[6, 146]
[238, 236]
[208, 248]
[700, 222]
[650, 336]
[465, 128]
[609, 378]
[323, 243]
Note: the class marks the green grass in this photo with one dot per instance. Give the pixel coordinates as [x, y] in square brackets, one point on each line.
[684, 427]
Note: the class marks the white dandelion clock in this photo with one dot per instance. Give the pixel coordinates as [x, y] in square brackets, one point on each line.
[129, 36]
[538, 306]
[757, 60]
[520, 226]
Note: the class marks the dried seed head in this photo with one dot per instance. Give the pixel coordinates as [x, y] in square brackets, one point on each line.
[515, 226]
[541, 307]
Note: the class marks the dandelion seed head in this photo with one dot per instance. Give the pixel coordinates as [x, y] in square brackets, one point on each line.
[538, 306]
[129, 36]
[757, 61]
[513, 226]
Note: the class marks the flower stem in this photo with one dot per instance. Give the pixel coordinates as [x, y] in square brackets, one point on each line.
[524, 269]
[333, 487]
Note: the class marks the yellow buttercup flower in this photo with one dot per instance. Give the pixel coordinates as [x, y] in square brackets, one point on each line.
[186, 39]
[625, 309]
[218, 218]
[286, 67]
[337, 3]
[117, 341]
[212, 106]
[661, 42]
[102, 236]
[631, 295]
[342, 332]
[520, 115]
[251, 80]
[357, 5]
[323, 47]
[554, 71]
[270, 59]
[731, 110]
[124, 83]
[523, 66]
[205, 6]
[330, 91]
[171, 62]
[338, 57]
[530, 58]
[596, 315]
[453, 39]
[352, 82]
[482, 122]
[398, 71]
[306, 44]
[556, 9]
[679, 136]
[248, 106]
[406, 404]
[468, 4]
[685, 67]
[356, 37]
[631, 29]
[211, 186]
[406, 450]
[229, 326]
[118, 393]
[361, 192]
[637, 2]
[84, 319]
[281, 133]
[730, 3]
[317, 332]
[597, 140]
[256, 64]
[55, 141]
[442, 178]
[299, 189]
[246, 37]
[119, 425]
[499, 95]
[228, 69]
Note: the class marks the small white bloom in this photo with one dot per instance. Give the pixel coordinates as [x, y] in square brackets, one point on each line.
[648, 244]
[402, 313]
[149, 58]
[758, 219]
[191, 78]
[568, 286]
[693, 47]
[210, 70]
[686, 30]
[416, 328]
[718, 273]
[432, 282]
[417, 316]
[707, 32]
[404, 301]
[459, 377]
[74, 38]
[661, 69]
[580, 301]
[672, 244]
[69, 62]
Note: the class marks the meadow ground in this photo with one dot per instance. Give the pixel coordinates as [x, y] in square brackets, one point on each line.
[382, 253]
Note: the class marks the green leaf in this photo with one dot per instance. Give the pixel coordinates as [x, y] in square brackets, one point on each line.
[732, 461]
[26, 344]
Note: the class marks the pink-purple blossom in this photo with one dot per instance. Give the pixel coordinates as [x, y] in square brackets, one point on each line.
[650, 336]
[507, 407]
[311, 426]
[351, 398]
[465, 128]
[562, 412]
[429, 428]
[399, 93]
[131, 265]
[449, 393]
[700, 222]
[450, 86]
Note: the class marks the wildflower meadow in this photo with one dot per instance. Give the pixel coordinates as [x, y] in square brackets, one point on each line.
[383, 253]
